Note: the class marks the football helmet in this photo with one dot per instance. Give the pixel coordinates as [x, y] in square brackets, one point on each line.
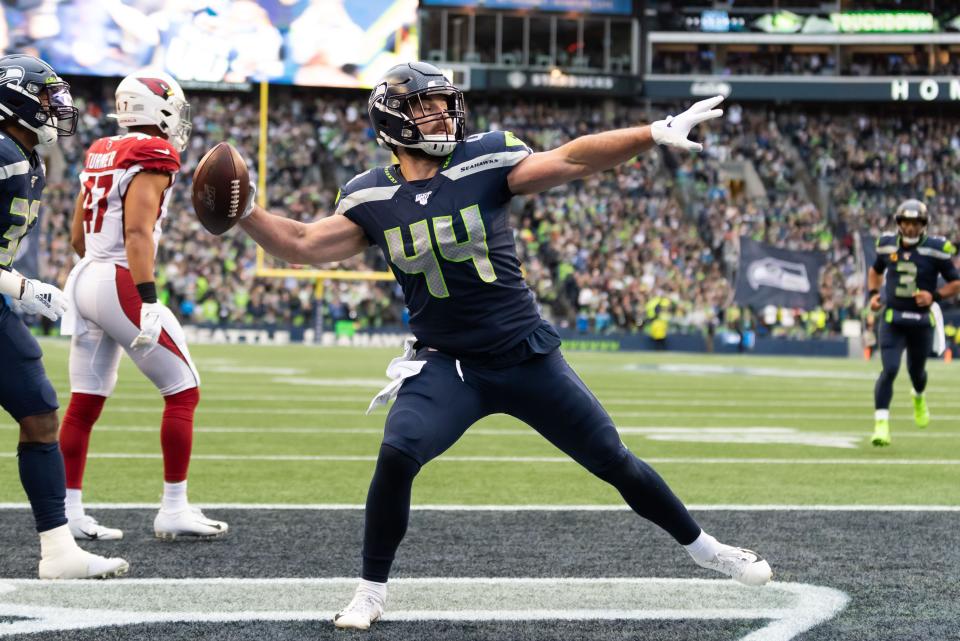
[35, 97]
[912, 210]
[397, 112]
[152, 97]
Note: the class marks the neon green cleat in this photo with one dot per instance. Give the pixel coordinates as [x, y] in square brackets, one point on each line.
[921, 414]
[881, 432]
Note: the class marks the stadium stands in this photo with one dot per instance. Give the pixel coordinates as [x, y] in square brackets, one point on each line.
[655, 238]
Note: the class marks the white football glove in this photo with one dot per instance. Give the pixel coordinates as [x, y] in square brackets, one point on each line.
[674, 131]
[43, 298]
[151, 324]
[251, 201]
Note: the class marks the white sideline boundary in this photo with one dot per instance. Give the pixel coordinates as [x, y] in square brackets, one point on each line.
[520, 508]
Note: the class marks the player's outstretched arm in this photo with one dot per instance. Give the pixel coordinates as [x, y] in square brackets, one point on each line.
[323, 241]
[594, 153]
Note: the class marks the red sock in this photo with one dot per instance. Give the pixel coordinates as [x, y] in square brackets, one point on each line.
[81, 414]
[176, 433]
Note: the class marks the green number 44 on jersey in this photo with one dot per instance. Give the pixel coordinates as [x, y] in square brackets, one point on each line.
[424, 259]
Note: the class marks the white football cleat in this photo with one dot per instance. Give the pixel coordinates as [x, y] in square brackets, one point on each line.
[365, 608]
[86, 528]
[742, 565]
[80, 564]
[189, 522]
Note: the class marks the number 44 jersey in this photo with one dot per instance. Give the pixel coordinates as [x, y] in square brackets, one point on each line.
[108, 169]
[450, 246]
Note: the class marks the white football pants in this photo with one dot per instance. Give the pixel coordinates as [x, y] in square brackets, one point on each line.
[108, 303]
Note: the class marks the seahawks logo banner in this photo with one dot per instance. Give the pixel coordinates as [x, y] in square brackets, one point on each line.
[767, 275]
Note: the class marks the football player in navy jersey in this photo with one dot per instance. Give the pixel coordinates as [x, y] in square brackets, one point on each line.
[440, 218]
[913, 263]
[35, 109]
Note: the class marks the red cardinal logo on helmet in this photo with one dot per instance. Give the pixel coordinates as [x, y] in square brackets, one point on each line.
[157, 86]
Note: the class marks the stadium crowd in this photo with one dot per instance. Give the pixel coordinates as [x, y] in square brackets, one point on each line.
[651, 245]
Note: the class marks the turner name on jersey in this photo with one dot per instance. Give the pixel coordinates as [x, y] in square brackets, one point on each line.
[448, 239]
[21, 186]
[109, 167]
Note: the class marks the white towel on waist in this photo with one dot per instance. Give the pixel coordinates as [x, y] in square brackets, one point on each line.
[399, 369]
[72, 323]
[939, 336]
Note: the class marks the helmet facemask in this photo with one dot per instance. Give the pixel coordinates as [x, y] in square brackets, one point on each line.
[408, 115]
[176, 124]
[57, 112]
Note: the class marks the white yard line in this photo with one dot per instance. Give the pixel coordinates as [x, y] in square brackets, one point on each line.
[446, 458]
[855, 413]
[788, 609]
[720, 507]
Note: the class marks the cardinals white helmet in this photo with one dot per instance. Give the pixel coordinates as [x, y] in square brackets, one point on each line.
[152, 97]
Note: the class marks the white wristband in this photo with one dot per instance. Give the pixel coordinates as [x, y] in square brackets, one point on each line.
[11, 284]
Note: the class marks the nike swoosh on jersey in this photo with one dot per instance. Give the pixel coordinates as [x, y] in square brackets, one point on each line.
[163, 151]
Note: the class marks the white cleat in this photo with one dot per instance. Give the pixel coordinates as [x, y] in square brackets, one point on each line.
[365, 608]
[86, 528]
[189, 522]
[80, 564]
[744, 566]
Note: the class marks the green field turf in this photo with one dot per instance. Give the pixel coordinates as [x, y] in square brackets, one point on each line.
[287, 425]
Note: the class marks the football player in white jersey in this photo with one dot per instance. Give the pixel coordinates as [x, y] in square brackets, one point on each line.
[125, 191]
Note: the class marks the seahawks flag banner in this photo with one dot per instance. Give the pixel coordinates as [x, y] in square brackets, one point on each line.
[782, 277]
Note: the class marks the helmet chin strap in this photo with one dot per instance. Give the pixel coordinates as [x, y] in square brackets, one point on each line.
[46, 135]
[437, 145]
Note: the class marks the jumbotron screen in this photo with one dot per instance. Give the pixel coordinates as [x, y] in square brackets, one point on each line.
[622, 7]
[337, 43]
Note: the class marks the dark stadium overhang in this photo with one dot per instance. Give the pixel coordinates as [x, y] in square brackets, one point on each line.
[891, 89]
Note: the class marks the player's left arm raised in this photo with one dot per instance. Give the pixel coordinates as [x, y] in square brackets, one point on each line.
[594, 153]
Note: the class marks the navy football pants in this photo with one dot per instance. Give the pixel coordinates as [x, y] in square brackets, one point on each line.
[434, 408]
[917, 340]
[25, 389]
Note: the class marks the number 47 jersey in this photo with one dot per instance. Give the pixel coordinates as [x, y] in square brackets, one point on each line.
[449, 244]
[108, 169]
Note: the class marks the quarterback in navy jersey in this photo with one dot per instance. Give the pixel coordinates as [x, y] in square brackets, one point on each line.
[35, 109]
[913, 263]
[440, 218]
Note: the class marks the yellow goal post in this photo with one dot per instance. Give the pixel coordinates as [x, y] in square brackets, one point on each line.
[308, 273]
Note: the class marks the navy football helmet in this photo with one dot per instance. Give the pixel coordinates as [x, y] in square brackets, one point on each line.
[912, 210]
[35, 97]
[397, 112]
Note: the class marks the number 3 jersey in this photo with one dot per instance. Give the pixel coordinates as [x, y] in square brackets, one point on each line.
[21, 185]
[449, 244]
[913, 268]
[108, 169]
